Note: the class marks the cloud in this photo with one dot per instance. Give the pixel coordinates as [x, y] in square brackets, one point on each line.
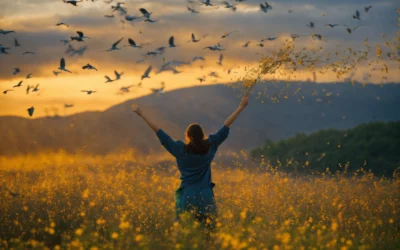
[34, 23]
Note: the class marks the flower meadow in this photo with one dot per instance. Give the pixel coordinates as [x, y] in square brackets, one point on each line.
[118, 201]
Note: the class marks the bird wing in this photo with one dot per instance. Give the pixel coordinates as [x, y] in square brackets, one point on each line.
[144, 12]
[116, 43]
[108, 78]
[147, 72]
[80, 33]
[131, 42]
[171, 41]
[193, 37]
[62, 63]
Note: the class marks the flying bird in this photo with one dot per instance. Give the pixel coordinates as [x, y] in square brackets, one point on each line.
[108, 79]
[146, 73]
[310, 25]
[159, 90]
[109, 16]
[332, 25]
[201, 79]
[265, 8]
[229, 6]
[36, 88]
[60, 24]
[131, 18]
[214, 48]
[171, 42]
[125, 89]
[5, 32]
[31, 110]
[357, 15]
[194, 39]
[225, 35]
[196, 58]
[56, 72]
[16, 71]
[88, 66]
[221, 57]
[72, 2]
[28, 52]
[18, 85]
[114, 46]
[207, 3]
[28, 88]
[158, 51]
[366, 8]
[89, 92]
[213, 74]
[192, 10]
[29, 76]
[62, 66]
[132, 44]
[246, 44]
[269, 39]
[118, 75]
[7, 90]
[146, 15]
[318, 36]
[16, 43]
[79, 38]
[68, 106]
[3, 50]
[120, 8]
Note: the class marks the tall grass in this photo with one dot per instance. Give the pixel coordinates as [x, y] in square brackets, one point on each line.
[62, 201]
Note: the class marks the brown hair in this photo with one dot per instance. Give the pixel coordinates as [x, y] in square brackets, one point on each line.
[197, 144]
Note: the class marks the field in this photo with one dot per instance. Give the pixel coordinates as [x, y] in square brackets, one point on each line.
[62, 201]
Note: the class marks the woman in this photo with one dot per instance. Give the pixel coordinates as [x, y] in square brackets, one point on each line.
[195, 194]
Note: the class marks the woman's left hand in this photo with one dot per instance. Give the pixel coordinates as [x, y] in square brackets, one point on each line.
[136, 109]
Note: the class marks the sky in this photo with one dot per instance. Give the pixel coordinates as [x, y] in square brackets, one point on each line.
[34, 23]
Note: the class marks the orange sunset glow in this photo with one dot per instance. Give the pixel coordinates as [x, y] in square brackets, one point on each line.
[35, 28]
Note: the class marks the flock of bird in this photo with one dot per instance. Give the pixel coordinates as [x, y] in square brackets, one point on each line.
[146, 16]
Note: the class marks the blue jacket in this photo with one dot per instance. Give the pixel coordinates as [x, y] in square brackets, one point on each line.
[195, 169]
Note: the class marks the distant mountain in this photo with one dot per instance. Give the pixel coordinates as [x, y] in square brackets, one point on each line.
[300, 107]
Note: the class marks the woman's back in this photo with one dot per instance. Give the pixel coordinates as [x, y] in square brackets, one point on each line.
[195, 169]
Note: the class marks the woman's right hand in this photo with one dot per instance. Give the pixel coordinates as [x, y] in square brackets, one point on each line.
[245, 101]
[136, 109]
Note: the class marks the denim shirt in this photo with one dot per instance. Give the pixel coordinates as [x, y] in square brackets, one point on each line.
[195, 169]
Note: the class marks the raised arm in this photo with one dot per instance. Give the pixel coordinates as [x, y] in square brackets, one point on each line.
[138, 111]
[234, 115]
[174, 147]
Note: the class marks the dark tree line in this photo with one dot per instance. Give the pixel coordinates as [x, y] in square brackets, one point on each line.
[374, 146]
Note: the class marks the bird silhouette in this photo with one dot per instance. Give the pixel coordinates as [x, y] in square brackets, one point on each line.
[171, 42]
[79, 38]
[16, 71]
[114, 45]
[72, 2]
[62, 66]
[31, 110]
[16, 43]
[89, 92]
[357, 15]
[18, 85]
[146, 73]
